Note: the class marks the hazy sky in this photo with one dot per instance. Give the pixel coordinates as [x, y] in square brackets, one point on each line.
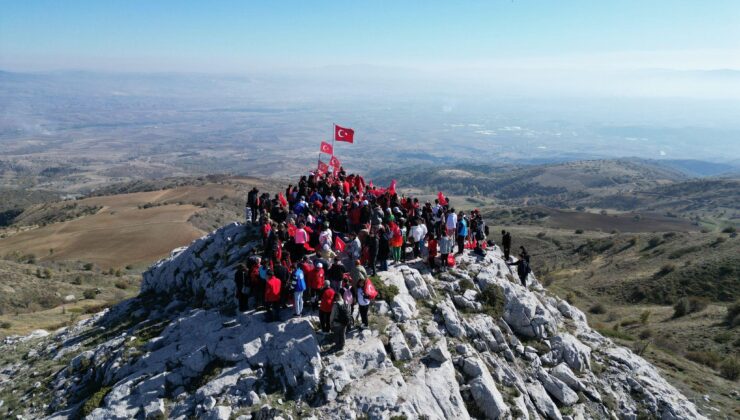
[232, 36]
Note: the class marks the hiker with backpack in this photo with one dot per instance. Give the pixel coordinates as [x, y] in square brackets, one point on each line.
[298, 284]
[366, 292]
[480, 234]
[325, 305]
[339, 320]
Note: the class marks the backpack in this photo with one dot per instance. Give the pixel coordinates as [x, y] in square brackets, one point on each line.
[348, 298]
[525, 267]
[485, 229]
[450, 260]
[342, 315]
[370, 291]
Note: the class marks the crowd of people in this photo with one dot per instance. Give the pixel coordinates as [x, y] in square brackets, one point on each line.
[323, 239]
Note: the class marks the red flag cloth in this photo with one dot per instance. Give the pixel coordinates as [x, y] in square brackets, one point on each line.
[334, 162]
[344, 134]
[441, 198]
[327, 148]
[339, 244]
[308, 247]
[323, 167]
[392, 187]
[282, 199]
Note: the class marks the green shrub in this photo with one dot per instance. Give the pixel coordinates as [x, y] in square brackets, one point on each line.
[597, 309]
[94, 401]
[689, 305]
[732, 319]
[466, 284]
[730, 368]
[120, 284]
[89, 294]
[88, 266]
[645, 334]
[5, 325]
[729, 229]
[665, 270]
[386, 292]
[723, 337]
[644, 317]
[579, 231]
[492, 298]
[706, 358]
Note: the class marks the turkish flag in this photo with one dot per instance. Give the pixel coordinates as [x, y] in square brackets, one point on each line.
[282, 199]
[392, 187]
[344, 134]
[323, 167]
[339, 244]
[441, 198]
[327, 148]
[334, 162]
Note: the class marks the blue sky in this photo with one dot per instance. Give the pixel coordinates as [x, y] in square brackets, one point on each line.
[232, 36]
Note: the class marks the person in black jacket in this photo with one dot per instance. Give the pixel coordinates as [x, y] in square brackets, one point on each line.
[335, 274]
[372, 251]
[522, 266]
[241, 280]
[506, 244]
[253, 203]
[384, 249]
[282, 273]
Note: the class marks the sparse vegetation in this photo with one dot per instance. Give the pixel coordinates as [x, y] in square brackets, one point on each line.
[385, 292]
[687, 306]
[732, 319]
[492, 298]
[730, 368]
[597, 309]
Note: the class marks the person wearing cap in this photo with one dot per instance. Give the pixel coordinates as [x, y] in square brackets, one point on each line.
[317, 283]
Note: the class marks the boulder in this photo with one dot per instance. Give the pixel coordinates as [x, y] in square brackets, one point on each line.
[557, 388]
[542, 401]
[452, 321]
[398, 344]
[567, 348]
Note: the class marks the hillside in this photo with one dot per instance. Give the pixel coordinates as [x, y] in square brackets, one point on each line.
[468, 343]
[555, 185]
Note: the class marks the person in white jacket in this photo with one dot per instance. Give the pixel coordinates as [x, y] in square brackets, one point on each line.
[451, 223]
[418, 232]
[363, 302]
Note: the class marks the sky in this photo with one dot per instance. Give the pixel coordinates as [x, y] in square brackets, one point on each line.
[235, 36]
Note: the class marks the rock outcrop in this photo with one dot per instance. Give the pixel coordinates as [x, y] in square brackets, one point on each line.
[469, 343]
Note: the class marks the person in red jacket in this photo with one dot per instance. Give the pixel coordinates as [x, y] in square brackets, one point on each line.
[317, 283]
[432, 247]
[327, 297]
[272, 296]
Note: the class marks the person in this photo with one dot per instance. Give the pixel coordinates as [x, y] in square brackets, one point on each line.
[327, 298]
[253, 203]
[283, 274]
[373, 243]
[432, 246]
[384, 248]
[363, 302]
[241, 282]
[316, 284]
[451, 222]
[326, 253]
[480, 234]
[506, 244]
[358, 274]
[263, 277]
[325, 237]
[339, 319]
[462, 232]
[396, 242]
[336, 274]
[272, 297]
[445, 248]
[300, 239]
[522, 267]
[298, 286]
[418, 233]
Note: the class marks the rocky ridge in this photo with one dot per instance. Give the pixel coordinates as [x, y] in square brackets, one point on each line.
[469, 343]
